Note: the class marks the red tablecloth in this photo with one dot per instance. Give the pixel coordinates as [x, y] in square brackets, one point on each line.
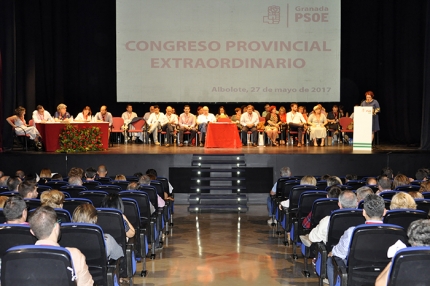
[51, 131]
[222, 135]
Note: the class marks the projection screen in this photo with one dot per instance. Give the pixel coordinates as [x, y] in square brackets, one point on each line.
[228, 50]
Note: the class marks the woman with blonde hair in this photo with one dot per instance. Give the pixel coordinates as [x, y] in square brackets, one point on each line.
[402, 200]
[317, 121]
[86, 213]
[120, 177]
[45, 173]
[272, 125]
[52, 198]
[61, 113]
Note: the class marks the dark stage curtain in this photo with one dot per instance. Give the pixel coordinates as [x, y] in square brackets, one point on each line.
[64, 51]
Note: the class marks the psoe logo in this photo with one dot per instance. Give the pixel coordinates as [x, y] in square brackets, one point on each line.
[273, 15]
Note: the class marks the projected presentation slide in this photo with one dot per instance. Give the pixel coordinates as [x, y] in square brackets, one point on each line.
[228, 51]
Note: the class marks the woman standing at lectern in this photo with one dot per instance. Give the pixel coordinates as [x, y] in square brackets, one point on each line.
[375, 105]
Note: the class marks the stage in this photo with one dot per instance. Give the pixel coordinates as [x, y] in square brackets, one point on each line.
[128, 159]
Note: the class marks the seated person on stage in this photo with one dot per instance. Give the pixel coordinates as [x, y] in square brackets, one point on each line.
[146, 117]
[85, 115]
[187, 122]
[104, 116]
[296, 122]
[236, 117]
[202, 121]
[221, 113]
[61, 114]
[373, 212]
[128, 116]
[15, 210]
[333, 120]
[40, 115]
[170, 127]
[283, 117]
[156, 122]
[20, 127]
[249, 121]
[44, 225]
[273, 123]
[266, 110]
[317, 122]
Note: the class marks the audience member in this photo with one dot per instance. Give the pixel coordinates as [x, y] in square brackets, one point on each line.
[333, 181]
[384, 184]
[363, 192]
[114, 201]
[138, 175]
[402, 200]
[52, 198]
[325, 177]
[86, 213]
[3, 200]
[75, 181]
[373, 212]
[419, 235]
[12, 183]
[400, 180]
[20, 174]
[15, 210]
[76, 172]
[422, 174]
[387, 172]
[308, 180]
[102, 171]
[90, 174]
[27, 190]
[45, 173]
[120, 177]
[32, 178]
[145, 180]
[424, 187]
[285, 172]
[416, 195]
[57, 177]
[44, 226]
[350, 177]
[347, 200]
[3, 181]
[371, 181]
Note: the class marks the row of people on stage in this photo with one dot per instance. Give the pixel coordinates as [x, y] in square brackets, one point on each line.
[247, 119]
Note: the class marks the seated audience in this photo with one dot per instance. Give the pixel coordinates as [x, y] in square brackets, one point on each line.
[27, 190]
[333, 181]
[76, 172]
[75, 181]
[45, 173]
[422, 174]
[387, 172]
[20, 174]
[145, 180]
[57, 177]
[424, 187]
[419, 235]
[13, 183]
[350, 177]
[402, 200]
[90, 174]
[120, 177]
[371, 181]
[135, 186]
[114, 201]
[102, 171]
[15, 210]
[40, 115]
[384, 184]
[283, 173]
[44, 226]
[416, 195]
[21, 127]
[400, 180]
[373, 212]
[3, 181]
[52, 198]
[3, 200]
[363, 192]
[86, 213]
[61, 114]
[153, 175]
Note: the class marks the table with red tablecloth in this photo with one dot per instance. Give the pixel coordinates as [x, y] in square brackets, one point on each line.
[50, 132]
[222, 135]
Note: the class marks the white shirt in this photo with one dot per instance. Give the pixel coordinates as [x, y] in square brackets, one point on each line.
[320, 232]
[128, 116]
[172, 119]
[246, 119]
[297, 118]
[157, 118]
[80, 117]
[37, 118]
[206, 118]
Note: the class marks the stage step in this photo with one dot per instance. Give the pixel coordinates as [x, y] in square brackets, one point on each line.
[217, 208]
[218, 186]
